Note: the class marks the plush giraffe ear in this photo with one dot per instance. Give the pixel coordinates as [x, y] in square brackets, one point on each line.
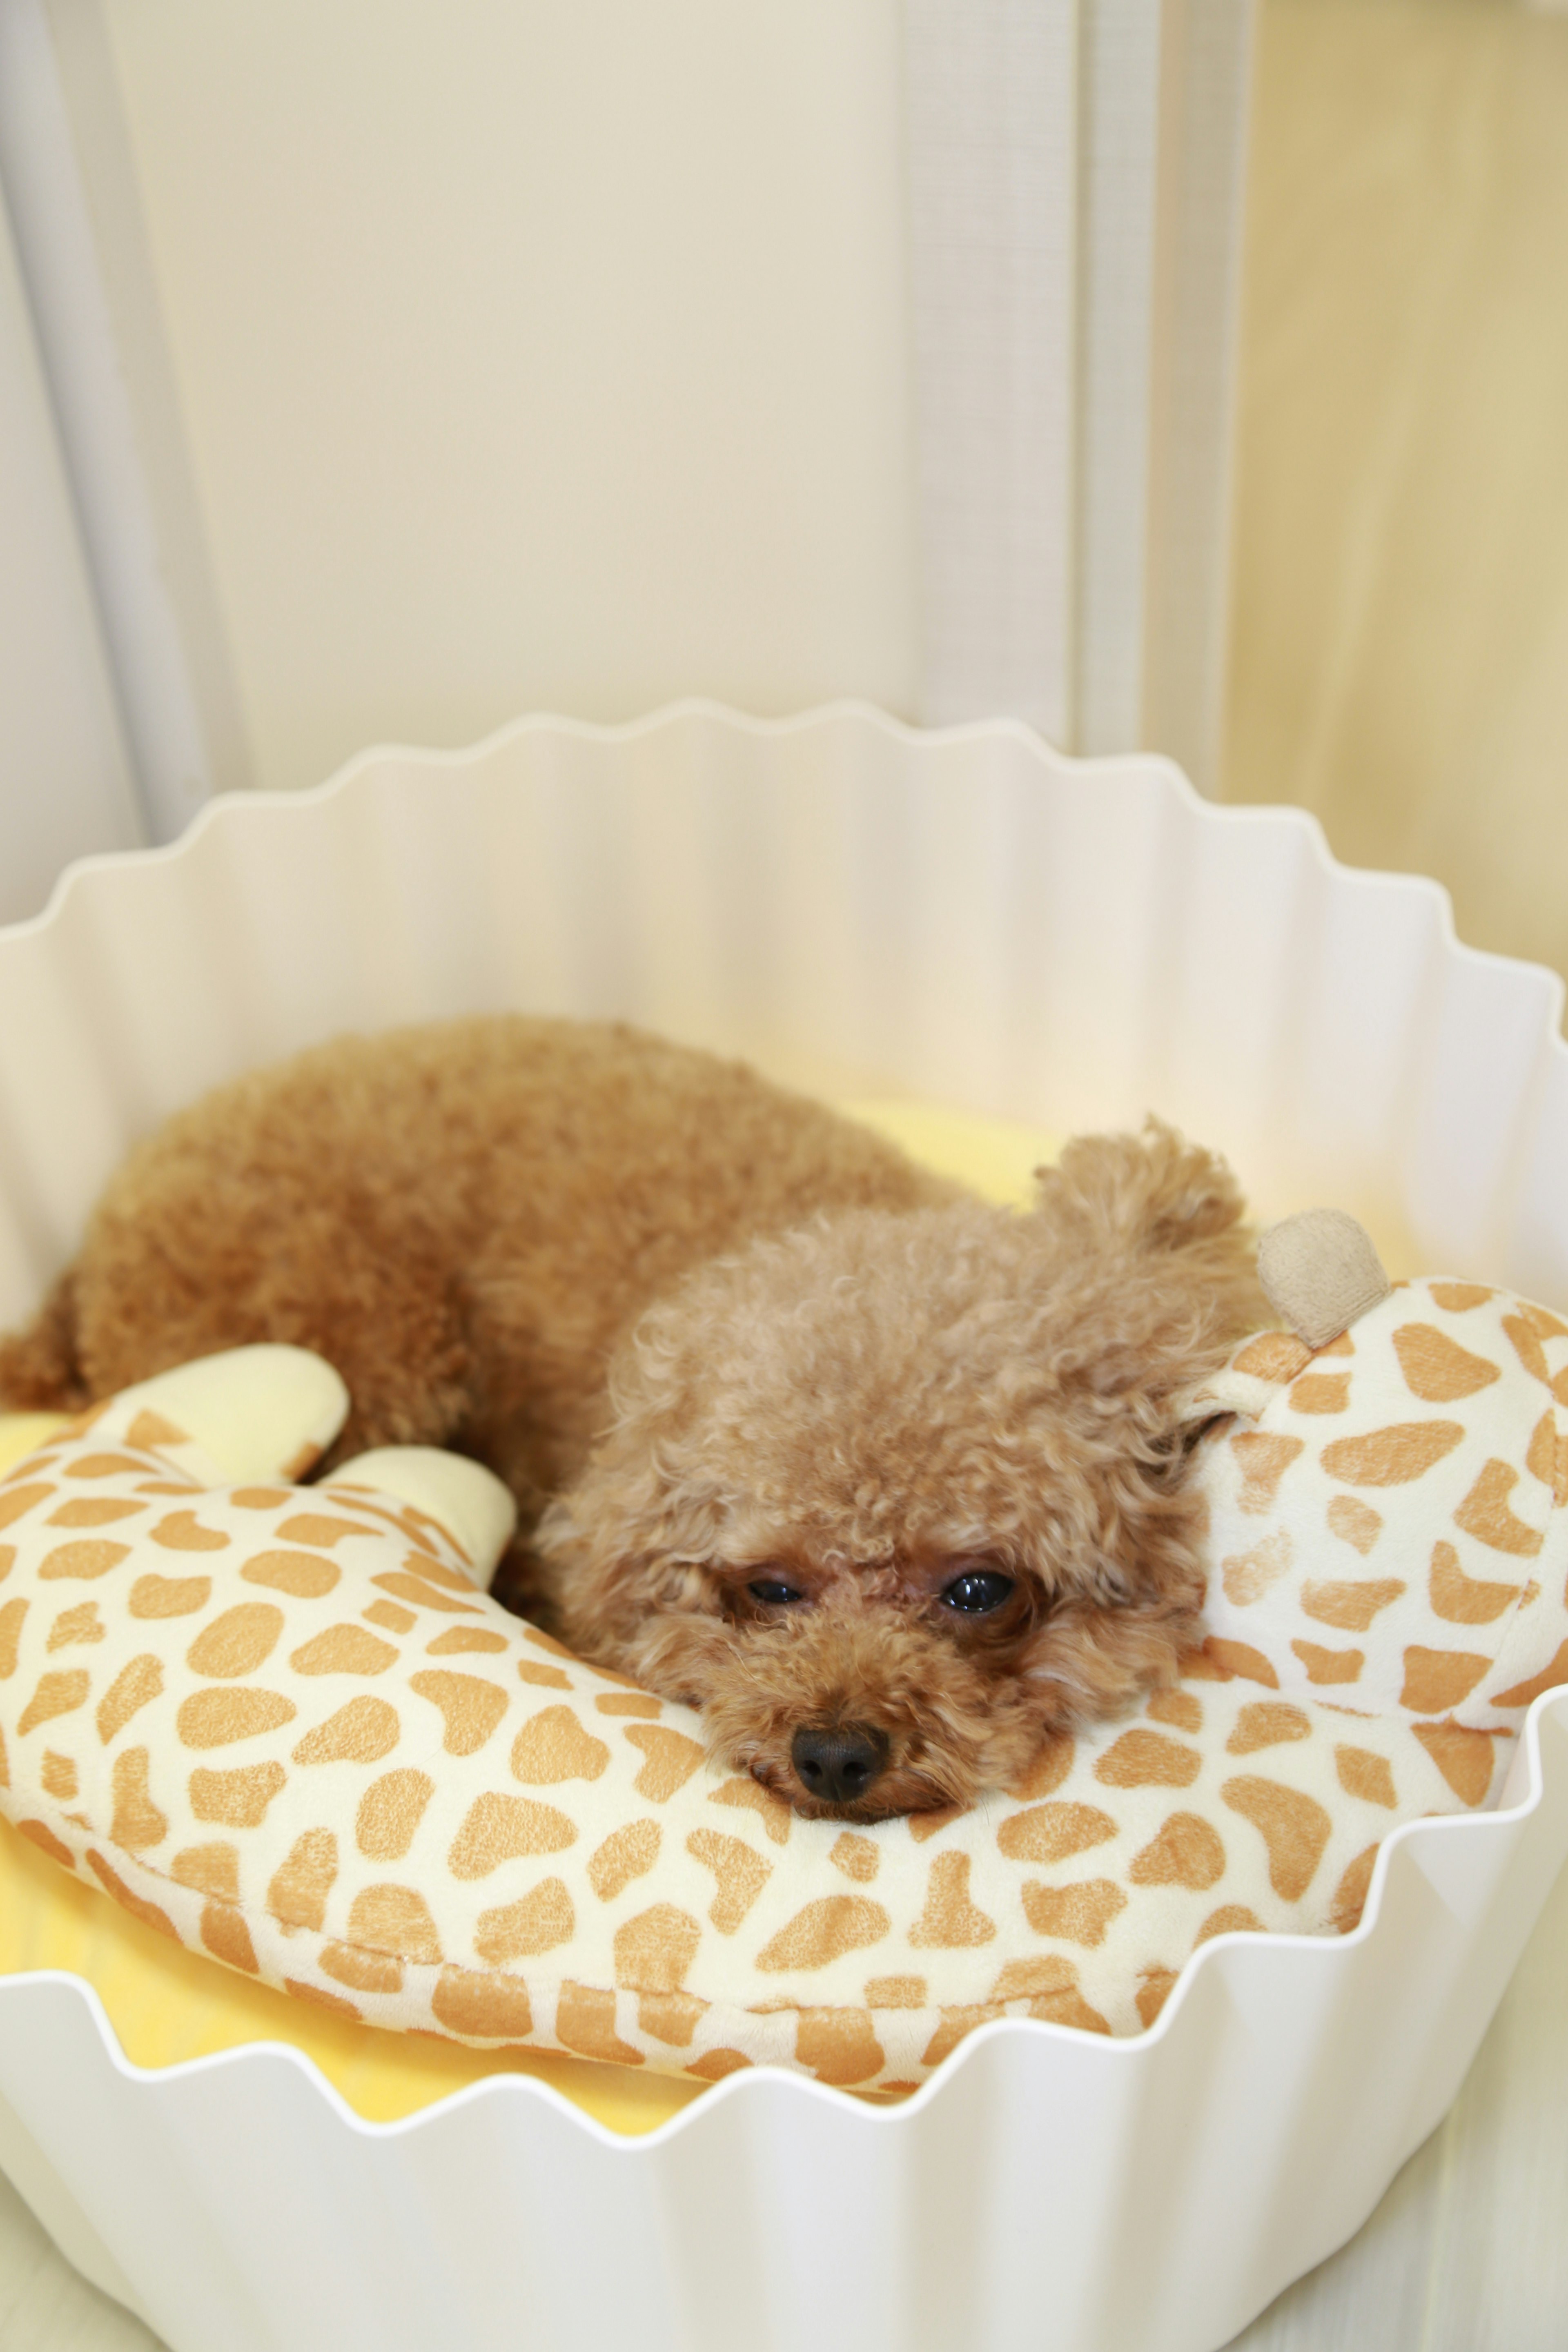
[1321, 1273]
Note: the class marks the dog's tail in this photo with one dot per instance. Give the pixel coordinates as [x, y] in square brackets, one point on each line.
[39, 1371]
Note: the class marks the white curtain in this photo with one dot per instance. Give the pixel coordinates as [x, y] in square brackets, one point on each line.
[1075, 172]
[929, 325]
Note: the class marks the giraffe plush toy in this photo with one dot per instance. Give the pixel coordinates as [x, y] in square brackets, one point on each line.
[286, 1726]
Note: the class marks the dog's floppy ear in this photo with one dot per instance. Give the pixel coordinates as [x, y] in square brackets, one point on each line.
[1148, 1192]
[1158, 1273]
[612, 1547]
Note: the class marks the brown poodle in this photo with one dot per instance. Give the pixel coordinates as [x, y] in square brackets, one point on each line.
[888, 1482]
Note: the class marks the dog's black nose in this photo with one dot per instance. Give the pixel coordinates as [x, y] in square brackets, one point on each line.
[839, 1765]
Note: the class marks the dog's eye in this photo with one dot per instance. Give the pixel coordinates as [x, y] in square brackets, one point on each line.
[773, 1593]
[978, 1591]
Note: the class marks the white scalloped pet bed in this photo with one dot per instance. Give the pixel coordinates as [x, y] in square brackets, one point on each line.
[870, 913]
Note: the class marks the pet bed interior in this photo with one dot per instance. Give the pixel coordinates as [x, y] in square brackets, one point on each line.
[372, 1862]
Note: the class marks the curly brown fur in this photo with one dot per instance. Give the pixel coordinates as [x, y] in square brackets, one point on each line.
[462, 1217]
[866, 1411]
[742, 1342]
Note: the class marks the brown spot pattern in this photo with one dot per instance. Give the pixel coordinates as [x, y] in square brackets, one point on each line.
[236, 1800]
[170, 1596]
[304, 1574]
[1551, 1677]
[1054, 1833]
[1141, 1759]
[553, 1747]
[483, 2006]
[1437, 1680]
[1267, 1723]
[1464, 1758]
[838, 2046]
[133, 1688]
[823, 1932]
[1459, 1297]
[950, 1922]
[1350, 1895]
[56, 1694]
[1079, 1914]
[1350, 1607]
[626, 1854]
[300, 1886]
[671, 1760]
[497, 1829]
[91, 1557]
[1188, 1852]
[740, 1870]
[183, 1531]
[1182, 1709]
[11, 1620]
[211, 1869]
[1366, 1775]
[1355, 1522]
[390, 1812]
[1437, 1368]
[586, 2023]
[237, 1642]
[362, 1732]
[1230, 1658]
[1246, 1576]
[1263, 1461]
[1391, 1457]
[1330, 1666]
[1485, 1514]
[215, 1718]
[1273, 1355]
[345, 1650]
[74, 1626]
[137, 1822]
[92, 1511]
[1293, 1826]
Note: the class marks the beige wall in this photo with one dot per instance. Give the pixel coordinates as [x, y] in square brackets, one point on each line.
[65, 780]
[639, 275]
[1399, 656]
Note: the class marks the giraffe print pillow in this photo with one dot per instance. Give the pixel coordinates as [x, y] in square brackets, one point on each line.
[283, 1727]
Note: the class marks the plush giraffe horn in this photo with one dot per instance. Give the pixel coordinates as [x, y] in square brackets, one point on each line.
[1320, 1272]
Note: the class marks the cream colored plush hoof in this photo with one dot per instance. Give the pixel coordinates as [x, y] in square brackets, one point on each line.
[470, 1502]
[259, 1413]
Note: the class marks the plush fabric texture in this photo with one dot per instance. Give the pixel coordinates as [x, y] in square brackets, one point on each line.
[283, 1727]
[1319, 1272]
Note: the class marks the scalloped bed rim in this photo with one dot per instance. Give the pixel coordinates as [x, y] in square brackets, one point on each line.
[1329, 1951]
[217, 811]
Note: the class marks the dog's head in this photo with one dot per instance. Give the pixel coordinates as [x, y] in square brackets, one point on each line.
[893, 1499]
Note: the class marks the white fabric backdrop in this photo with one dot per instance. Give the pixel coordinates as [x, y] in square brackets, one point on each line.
[1075, 211]
[410, 372]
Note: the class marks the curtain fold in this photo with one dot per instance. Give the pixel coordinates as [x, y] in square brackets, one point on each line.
[1075, 193]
